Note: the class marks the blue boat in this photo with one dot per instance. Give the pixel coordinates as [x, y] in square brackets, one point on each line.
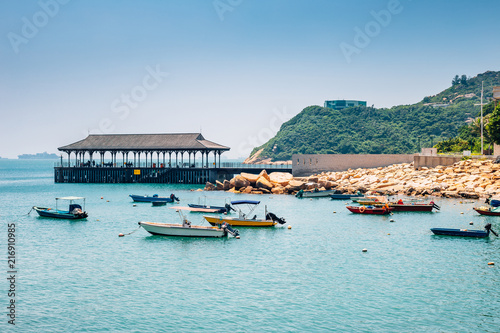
[465, 232]
[345, 196]
[74, 212]
[493, 202]
[155, 197]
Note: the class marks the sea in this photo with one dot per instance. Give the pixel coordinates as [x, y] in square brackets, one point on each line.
[80, 276]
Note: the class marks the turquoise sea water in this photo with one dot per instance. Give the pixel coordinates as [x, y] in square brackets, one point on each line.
[79, 276]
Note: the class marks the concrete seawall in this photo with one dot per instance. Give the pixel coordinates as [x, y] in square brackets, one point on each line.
[307, 164]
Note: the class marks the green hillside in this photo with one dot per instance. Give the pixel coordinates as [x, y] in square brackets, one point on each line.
[366, 130]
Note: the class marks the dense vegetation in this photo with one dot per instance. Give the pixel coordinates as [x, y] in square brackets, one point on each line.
[400, 129]
[469, 136]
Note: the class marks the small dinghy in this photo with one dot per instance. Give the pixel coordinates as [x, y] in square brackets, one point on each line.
[465, 232]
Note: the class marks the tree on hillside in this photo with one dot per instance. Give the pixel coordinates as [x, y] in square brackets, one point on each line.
[456, 80]
[493, 126]
[463, 80]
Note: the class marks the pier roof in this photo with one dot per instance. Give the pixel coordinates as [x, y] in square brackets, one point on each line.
[144, 142]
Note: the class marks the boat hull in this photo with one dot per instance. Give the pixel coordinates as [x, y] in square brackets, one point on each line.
[460, 232]
[344, 196]
[208, 208]
[486, 212]
[369, 210]
[145, 198]
[411, 208]
[319, 194]
[237, 222]
[58, 214]
[166, 229]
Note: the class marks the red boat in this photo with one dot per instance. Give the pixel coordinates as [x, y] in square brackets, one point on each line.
[369, 210]
[486, 211]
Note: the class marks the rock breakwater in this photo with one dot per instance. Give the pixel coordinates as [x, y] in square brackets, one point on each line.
[467, 179]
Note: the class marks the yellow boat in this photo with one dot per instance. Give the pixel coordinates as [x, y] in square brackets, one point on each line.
[244, 220]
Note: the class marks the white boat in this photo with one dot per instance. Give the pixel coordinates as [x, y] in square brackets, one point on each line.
[186, 229]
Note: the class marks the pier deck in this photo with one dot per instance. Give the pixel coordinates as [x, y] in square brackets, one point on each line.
[167, 175]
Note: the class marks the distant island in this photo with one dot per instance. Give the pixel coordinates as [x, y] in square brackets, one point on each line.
[38, 156]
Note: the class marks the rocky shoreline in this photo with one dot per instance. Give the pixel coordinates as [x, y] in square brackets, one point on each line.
[465, 179]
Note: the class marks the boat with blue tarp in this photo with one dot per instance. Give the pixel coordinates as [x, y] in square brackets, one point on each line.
[74, 212]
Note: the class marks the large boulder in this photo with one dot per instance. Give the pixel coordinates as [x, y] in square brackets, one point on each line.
[281, 178]
[209, 187]
[248, 189]
[278, 190]
[226, 185]
[250, 177]
[264, 183]
[264, 174]
[219, 186]
[239, 182]
[296, 185]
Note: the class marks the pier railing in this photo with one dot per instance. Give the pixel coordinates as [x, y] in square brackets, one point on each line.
[223, 165]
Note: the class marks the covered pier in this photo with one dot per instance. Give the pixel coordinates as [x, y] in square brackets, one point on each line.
[156, 150]
[144, 158]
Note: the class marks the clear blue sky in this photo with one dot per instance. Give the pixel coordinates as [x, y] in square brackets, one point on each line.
[234, 68]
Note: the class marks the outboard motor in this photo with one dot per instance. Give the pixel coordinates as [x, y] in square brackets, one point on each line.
[173, 197]
[434, 205]
[271, 216]
[229, 208]
[227, 227]
[488, 229]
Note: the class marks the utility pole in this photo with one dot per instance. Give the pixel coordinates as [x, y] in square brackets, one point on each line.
[482, 86]
[482, 90]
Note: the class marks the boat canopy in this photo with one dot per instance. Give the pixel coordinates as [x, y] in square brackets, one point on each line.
[70, 198]
[249, 202]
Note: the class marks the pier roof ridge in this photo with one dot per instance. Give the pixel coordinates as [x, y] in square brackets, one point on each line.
[143, 142]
